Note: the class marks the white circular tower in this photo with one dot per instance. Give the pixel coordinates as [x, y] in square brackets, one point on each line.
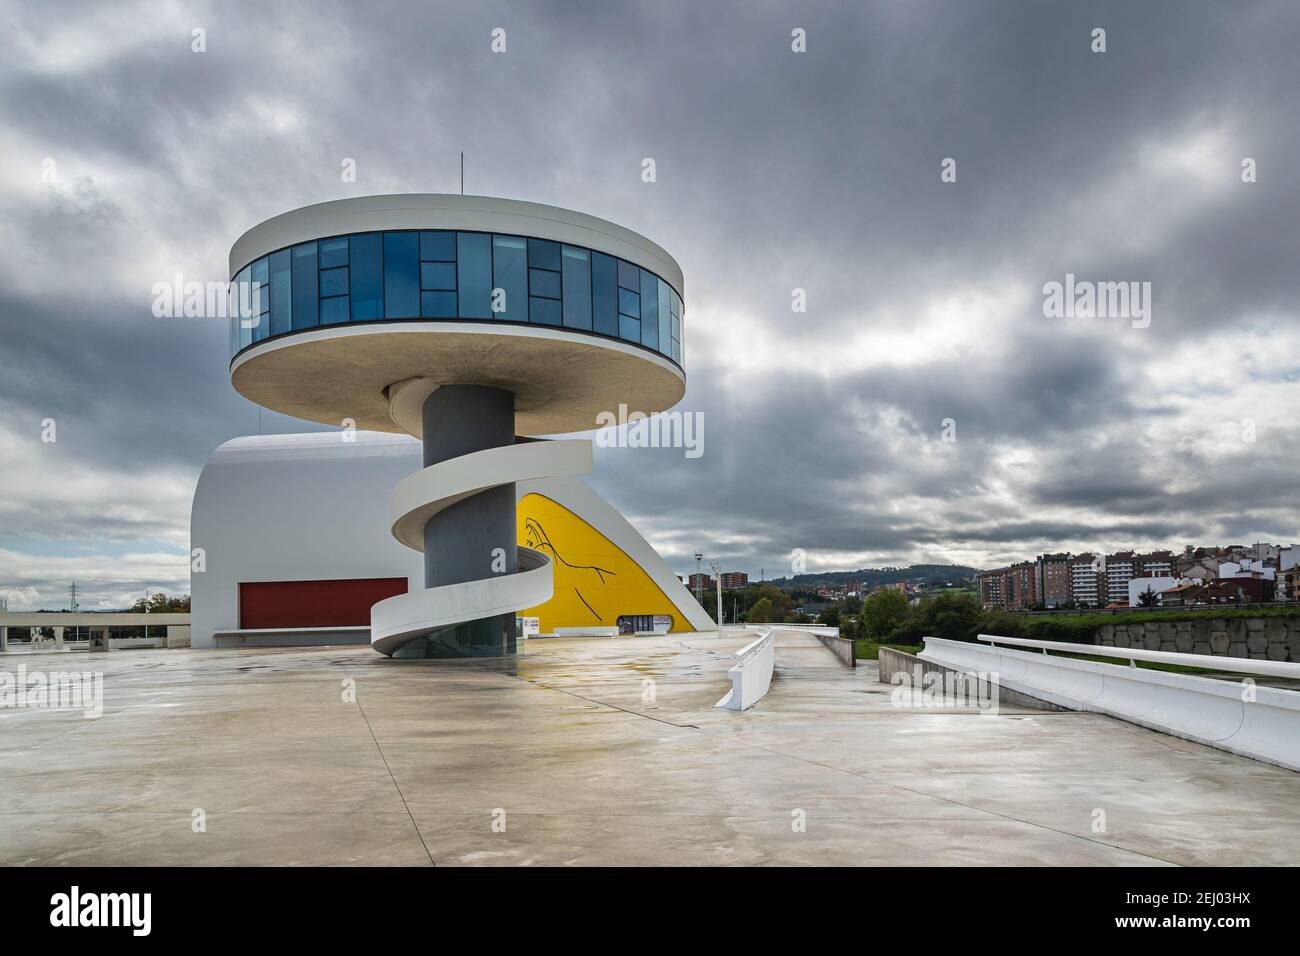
[474, 324]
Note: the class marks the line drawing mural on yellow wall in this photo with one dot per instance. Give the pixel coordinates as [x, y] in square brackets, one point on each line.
[535, 537]
[596, 581]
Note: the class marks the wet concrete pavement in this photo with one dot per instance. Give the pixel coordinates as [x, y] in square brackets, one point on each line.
[599, 751]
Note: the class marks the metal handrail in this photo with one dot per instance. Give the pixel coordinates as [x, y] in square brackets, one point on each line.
[1235, 665]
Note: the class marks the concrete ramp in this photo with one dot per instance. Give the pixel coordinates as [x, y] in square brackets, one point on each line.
[799, 650]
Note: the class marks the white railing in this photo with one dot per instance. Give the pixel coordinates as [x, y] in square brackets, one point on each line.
[826, 629]
[751, 675]
[1233, 665]
[1238, 716]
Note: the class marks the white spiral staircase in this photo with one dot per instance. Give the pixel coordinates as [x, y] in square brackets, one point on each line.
[399, 620]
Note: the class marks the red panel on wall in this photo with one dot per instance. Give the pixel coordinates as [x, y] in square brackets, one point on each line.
[339, 603]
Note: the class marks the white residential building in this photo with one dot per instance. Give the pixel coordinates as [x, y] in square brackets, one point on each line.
[1157, 584]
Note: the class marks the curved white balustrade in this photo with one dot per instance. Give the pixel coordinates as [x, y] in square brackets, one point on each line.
[422, 495]
[1254, 721]
[417, 498]
[751, 675]
[397, 620]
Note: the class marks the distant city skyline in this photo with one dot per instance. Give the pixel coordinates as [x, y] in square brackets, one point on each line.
[1263, 571]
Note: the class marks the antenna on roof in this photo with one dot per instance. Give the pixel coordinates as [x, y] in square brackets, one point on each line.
[462, 172]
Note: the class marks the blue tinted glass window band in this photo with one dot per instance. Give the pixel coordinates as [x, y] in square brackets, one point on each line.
[621, 299]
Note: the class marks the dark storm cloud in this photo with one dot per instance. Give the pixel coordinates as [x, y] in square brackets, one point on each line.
[775, 171]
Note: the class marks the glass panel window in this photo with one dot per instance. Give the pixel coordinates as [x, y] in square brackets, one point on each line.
[474, 274]
[649, 310]
[438, 276]
[333, 252]
[604, 293]
[665, 316]
[676, 309]
[629, 303]
[244, 295]
[304, 286]
[438, 305]
[333, 282]
[334, 311]
[281, 301]
[629, 276]
[545, 311]
[401, 275]
[258, 272]
[544, 282]
[438, 246]
[543, 254]
[629, 328]
[366, 258]
[447, 274]
[510, 275]
[577, 288]
[261, 275]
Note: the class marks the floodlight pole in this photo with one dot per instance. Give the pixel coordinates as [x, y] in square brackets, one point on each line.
[717, 580]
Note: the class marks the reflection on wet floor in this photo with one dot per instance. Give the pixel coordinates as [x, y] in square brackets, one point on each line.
[601, 751]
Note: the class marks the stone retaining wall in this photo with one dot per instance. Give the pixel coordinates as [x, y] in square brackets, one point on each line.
[1257, 638]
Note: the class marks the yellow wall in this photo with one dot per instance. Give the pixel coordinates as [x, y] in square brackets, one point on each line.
[595, 581]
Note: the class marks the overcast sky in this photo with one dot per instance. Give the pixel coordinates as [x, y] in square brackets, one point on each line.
[776, 170]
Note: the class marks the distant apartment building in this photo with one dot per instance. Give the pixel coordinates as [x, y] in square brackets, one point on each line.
[701, 581]
[1053, 579]
[1222, 591]
[1086, 580]
[734, 579]
[1014, 588]
[1123, 566]
[992, 587]
[1199, 564]
[1022, 591]
[1157, 587]
[1288, 584]
[1116, 576]
[1247, 569]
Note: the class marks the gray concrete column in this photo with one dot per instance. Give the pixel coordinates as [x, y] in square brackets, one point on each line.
[99, 639]
[459, 541]
[4, 639]
[476, 538]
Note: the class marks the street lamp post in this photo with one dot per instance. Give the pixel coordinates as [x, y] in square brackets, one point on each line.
[717, 580]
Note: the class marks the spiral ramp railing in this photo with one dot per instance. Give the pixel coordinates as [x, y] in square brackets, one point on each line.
[417, 498]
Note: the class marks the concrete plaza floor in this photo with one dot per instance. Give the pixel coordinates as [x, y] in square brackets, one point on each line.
[598, 751]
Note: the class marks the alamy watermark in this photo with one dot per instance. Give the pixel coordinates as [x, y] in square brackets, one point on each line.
[673, 429]
[22, 689]
[74, 909]
[177, 299]
[945, 690]
[1098, 300]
